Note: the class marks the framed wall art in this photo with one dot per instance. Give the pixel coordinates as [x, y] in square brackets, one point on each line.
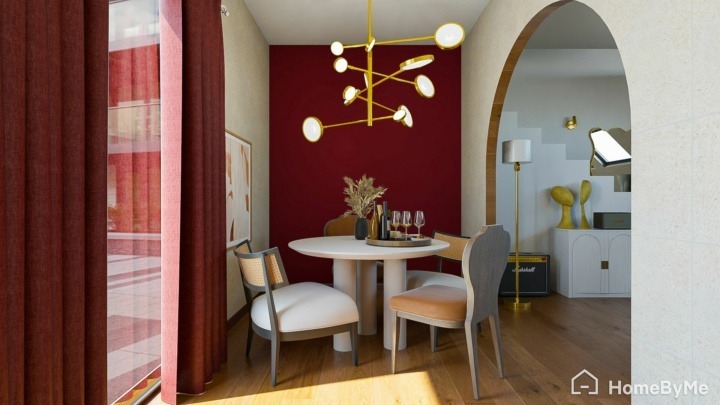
[238, 189]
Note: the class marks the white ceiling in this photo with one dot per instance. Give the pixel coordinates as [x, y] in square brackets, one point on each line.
[572, 26]
[320, 22]
[572, 42]
[568, 63]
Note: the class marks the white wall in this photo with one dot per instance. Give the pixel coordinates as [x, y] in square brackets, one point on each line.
[536, 108]
[247, 98]
[671, 54]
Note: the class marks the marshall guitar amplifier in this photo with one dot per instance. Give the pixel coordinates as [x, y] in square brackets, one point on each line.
[534, 268]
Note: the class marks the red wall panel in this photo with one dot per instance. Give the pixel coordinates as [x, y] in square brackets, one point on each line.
[420, 166]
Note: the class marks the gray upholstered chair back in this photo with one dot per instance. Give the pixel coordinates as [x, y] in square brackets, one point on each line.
[483, 264]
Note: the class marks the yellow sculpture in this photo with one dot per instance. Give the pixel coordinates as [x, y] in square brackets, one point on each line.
[585, 191]
[564, 197]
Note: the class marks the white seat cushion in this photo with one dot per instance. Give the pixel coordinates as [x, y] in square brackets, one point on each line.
[421, 278]
[305, 306]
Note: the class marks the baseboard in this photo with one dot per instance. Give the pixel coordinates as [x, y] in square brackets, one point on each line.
[238, 315]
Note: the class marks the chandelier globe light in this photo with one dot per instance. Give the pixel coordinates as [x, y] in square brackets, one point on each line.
[447, 36]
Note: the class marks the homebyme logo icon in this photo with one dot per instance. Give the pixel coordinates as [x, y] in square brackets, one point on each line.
[584, 382]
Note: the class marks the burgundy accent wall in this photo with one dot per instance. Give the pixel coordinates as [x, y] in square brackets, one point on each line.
[420, 166]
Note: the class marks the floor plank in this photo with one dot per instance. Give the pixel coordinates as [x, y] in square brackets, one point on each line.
[543, 349]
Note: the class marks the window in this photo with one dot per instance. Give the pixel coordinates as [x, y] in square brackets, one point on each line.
[133, 189]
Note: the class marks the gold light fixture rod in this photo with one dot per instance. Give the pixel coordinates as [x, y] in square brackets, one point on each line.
[399, 41]
[357, 69]
[369, 67]
[357, 122]
[377, 104]
[371, 84]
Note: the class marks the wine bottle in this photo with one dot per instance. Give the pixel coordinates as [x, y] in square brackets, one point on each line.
[374, 223]
[384, 234]
[389, 225]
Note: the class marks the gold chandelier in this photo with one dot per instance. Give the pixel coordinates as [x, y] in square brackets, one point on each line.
[447, 36]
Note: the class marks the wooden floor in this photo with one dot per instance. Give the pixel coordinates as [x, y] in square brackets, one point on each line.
[543, 349]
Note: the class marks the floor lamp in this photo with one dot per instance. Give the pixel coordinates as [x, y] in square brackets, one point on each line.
[515, 152]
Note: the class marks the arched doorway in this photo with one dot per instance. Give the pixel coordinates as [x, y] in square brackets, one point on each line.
[570, 65]
[498, 103]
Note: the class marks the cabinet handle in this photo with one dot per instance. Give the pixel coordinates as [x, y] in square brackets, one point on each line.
[604, 265]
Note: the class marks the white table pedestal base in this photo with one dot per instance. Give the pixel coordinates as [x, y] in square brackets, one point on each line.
[344, 279]
[367, 296]
[394, 283]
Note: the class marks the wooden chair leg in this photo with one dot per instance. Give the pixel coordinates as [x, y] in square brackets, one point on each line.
[433, 338]
[395, 330]
[249, 337]
[353, 343]
[471, 337]
[497, 342]
[274, 356]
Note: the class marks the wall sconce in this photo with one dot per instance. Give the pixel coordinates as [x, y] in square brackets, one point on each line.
[224, 11]
[571, 123]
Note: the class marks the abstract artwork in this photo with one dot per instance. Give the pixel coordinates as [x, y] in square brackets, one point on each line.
[238, 190]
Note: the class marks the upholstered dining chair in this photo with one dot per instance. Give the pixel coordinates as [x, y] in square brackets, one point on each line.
[340, 226]
[421, 278]
[286, 312]
[483, 264]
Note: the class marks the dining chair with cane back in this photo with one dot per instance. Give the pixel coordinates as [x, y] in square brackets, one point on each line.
[483, 264]
[288, 312]
[244, 248]
[421, 278]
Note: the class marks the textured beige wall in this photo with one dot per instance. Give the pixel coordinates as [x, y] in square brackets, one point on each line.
[247, 58]
[671, 53]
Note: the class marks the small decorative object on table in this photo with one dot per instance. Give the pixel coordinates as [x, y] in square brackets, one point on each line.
[564, 197]
[360, 195]
[585, 191]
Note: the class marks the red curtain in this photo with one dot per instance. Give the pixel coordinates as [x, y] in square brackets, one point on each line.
[53, 151]
[193, 198]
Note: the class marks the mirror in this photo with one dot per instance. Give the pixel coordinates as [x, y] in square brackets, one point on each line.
[611, 155]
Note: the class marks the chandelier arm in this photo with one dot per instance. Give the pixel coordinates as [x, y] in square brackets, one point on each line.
[397, 79]
[356, 122]
[354, 46]
[382, 80]
[378, 104]
[398, 41]
[344, 123]
[357, 69]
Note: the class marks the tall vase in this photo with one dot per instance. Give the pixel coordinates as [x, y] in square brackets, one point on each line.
[361, 228]
[585, 191]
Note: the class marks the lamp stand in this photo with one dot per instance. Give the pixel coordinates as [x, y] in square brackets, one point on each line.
[517, 303]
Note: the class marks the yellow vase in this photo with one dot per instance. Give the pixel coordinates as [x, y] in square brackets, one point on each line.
[585, 191]
[564, 197]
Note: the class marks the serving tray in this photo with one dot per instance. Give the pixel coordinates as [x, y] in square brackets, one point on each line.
[399, 242]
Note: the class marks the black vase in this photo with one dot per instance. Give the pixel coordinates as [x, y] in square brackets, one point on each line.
[361, 228]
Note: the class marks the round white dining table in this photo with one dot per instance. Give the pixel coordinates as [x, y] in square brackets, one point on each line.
[355, 274]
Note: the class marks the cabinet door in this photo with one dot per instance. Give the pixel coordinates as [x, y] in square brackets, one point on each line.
[586, 257]
[619, 264]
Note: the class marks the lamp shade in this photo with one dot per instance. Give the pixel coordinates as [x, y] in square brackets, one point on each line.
[517, 151]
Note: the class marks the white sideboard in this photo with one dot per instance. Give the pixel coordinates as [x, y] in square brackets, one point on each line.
[591, 262]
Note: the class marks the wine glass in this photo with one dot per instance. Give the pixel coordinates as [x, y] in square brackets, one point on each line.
[406, 221]
[419, 220]
[396, 219]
